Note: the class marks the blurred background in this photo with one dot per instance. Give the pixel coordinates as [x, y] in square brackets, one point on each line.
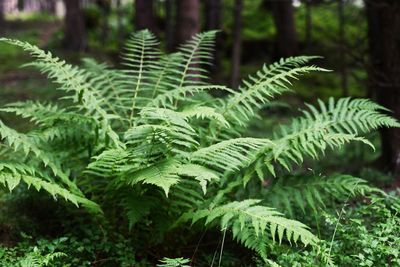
[358, 40]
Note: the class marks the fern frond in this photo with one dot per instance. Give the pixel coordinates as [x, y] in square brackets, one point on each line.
[72, 80]
[167, 99]
[163, 174]
[259, 89]
[195, 53]
[45, 114]
[331, 126]
[202, 112]
[251, 214]
[12, 174]
[29, 144]
[200, 173]
[231, 155]
[140, 56]
[314, 191]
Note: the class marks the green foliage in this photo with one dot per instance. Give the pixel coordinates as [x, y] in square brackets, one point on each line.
[89, 248]
[177, 262]
[150, 141]
[367, 235]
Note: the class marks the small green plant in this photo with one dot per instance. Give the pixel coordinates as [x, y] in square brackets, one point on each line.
[177, 262]
[151, 142]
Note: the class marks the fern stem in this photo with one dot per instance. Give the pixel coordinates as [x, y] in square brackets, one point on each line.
[222, 248]
[137, 84]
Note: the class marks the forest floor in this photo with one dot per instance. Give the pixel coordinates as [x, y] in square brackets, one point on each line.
[23, 83]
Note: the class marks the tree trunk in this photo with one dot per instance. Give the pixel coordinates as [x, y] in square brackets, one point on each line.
[384, 73]
[169, 24]
[286, 41]
[1, 12]
[342, 52]
[105, 7]
[308, 24]
[237, 44]
[75, 32]
[188, 20]
[144, 15]
[213, 10]
[119, 24]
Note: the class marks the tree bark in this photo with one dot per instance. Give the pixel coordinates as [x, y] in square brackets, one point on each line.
[75, 32]
[286, 41]
[188, 20]
[342, 53]
[1, 12]
[169, 24]
[237, 44]
[308, 24]
[384, 73]
[144, 15]
[213, 10]
[105, 7]
[120, 26]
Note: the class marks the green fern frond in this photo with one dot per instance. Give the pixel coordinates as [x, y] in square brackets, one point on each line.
[169, 98]
[176, 262]
[72, 80]
[259, 89]
[202, 112]
[195, 53]
[314, 191]
[249, 213]
[200, 173]
[30, 144]
[12, 174]
[140, 57]
[331, 126]
[163, 175]
[231, 155]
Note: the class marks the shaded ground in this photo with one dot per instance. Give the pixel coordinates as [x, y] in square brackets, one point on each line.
[18, 83]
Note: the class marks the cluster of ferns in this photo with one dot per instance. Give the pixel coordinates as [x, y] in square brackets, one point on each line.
[148, 138]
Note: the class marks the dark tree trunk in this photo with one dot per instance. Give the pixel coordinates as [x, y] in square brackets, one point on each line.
[1, 12]
[188, 20]
[105, 7]
[286, 41]
[308, 23]
[169, 24]
[384, 72]
[342, 46]
[213, 10]
[75, 32]
[237, 43]
[119, 24]
[144, 15]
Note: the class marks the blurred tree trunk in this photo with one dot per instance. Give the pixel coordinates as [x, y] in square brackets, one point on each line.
[51, 6]
[286, 41]
[237, 44]
[144, 15]
[213, 10]
[120, 28]
[74, 32]
[342, 46]
[384, 73]
[105, 7]
[169, 24]
[21, 5]
[1, 12]
[308, 23]
[187, 19]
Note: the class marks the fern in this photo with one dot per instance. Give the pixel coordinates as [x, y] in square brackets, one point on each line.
[313, 192]
[149, 141]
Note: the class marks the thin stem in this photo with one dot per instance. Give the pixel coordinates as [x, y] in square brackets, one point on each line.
[222, 248]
